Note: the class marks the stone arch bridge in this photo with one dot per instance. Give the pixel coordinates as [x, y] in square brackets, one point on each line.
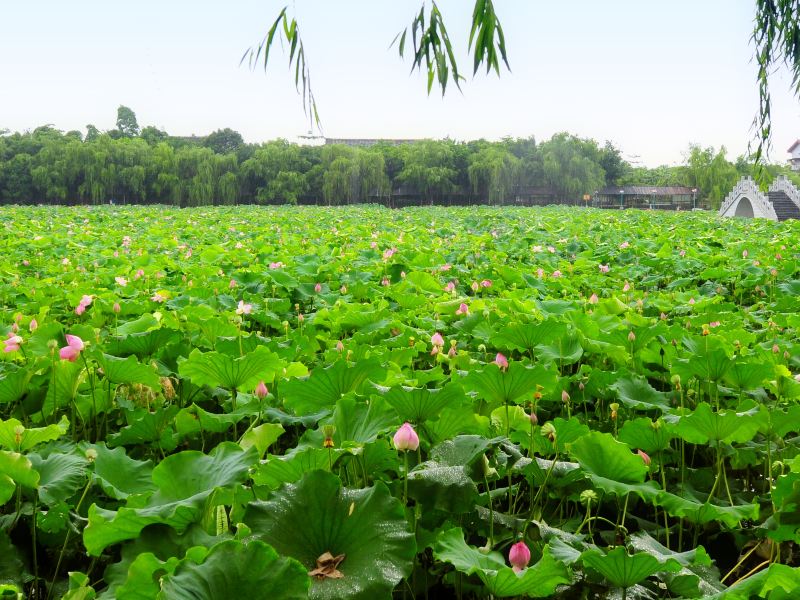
[781, 202]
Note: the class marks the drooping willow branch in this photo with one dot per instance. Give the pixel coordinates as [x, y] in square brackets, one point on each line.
[776, 35]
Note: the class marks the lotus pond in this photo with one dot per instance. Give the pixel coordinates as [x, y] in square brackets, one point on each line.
[428, 403]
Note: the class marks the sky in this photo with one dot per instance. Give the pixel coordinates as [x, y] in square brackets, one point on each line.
[652, 77]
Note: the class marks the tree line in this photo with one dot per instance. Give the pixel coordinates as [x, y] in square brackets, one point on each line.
[130, 164]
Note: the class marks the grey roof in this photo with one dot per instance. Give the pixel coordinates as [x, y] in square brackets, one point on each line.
[646, 190]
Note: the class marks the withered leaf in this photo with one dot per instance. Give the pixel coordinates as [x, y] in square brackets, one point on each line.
[327, 565]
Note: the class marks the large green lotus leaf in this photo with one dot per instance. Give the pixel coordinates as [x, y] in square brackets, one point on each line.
[216, 369]
[526, 336]
[359, 421]
[62, 385]
[143, 344]
[650, 436]
[16, 437]
[611, 465]
[138, 325]
[291, 467]
[128, 370]
[704, 426]
[498, 387]
[324, 387]
[537, 581]
[777, 581]
[317, 515]
[565, 351]
[417, 405]
[456, 421]
[445, 480]
[567, 431]
[148, 427]
[748, 373]
[235, 570]
[143, 577]
[183, 482]
[60, 476]
[635, 392]
[39, 342]
[193, 420]
[15, 469]
[688, 507]
[706, 364]
[624, 570]
[425, 282]
[119, 475]
[262, 437]
[697, 577]
[14, 384]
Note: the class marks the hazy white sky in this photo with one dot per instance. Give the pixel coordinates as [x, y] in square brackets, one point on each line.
[650, 76]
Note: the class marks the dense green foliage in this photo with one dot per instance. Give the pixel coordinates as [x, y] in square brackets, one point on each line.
[203, 403]
[149, 166]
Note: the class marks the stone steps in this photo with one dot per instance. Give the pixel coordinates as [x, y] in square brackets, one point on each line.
[783, 205]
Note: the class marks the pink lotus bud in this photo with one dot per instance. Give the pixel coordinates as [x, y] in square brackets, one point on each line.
[343, 289]
[564, 397]
[452, 353]
[539, 272]
[645, 457]
[139, 273]
[775, 349]
[626, 287]
[486, 283]
[631, 336]
[501, 361]
[402, 274]
[437, 339]
[385, 282]
[300, 317]
[318, 288]
[339, 346]
[534, 419]
[744, 253]
[581, 387]
[603, 268]
[556, 274]
[116, 308]
[34, 325]
[624, 245]
[474, 286]
[449, 287]
[519, 556]
[261, 390]
[462, 309]
[593, 299]
[68, 353]
[26, 263]
[80, 309]
[406, 438]
[231, 284]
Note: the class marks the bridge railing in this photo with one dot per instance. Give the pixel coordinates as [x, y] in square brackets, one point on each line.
[747, 187]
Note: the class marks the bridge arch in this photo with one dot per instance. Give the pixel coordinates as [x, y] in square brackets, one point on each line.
[744, 208]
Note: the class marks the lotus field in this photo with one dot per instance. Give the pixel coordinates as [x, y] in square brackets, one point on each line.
[359, 403]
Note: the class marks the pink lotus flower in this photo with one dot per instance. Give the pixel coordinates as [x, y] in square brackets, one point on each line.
[157, 297]
[593, 299]
[26, 263]
[73, 348]
[406, 438]
[261, 390]
[12, 343]
[682, 253]
[462, 309]
[537, 249]
[556, 274]
[139, 273]
[388, 253]
[231, 284]
[691, 300]
[540, 273]
[275, 265]
[437, 339]
[714, 324]
[385, 282]
[645, 457]
[486, 283]
[501, 361]
[519, 556]
[80, 309]
[603, 268]
[474, 286]
[445, 267]
[33, 326]
[116, 308]
[318, 288]
[449, 287]
[624, 245]
[373, 245]
[551, 250]
[626, 287]
[121, 281]
[244, 309]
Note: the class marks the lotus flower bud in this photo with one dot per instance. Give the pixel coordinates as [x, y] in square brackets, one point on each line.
[519, 556]
[339, 346]
[406, 438]
[565, 397]
[501, 361]
[33, 325]
[534, 419]
[645, 457]
[318, 288]
[261, 390]
[631, 336]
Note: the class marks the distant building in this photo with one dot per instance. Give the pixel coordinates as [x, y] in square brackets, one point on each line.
[794, 161]
[641, 196]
